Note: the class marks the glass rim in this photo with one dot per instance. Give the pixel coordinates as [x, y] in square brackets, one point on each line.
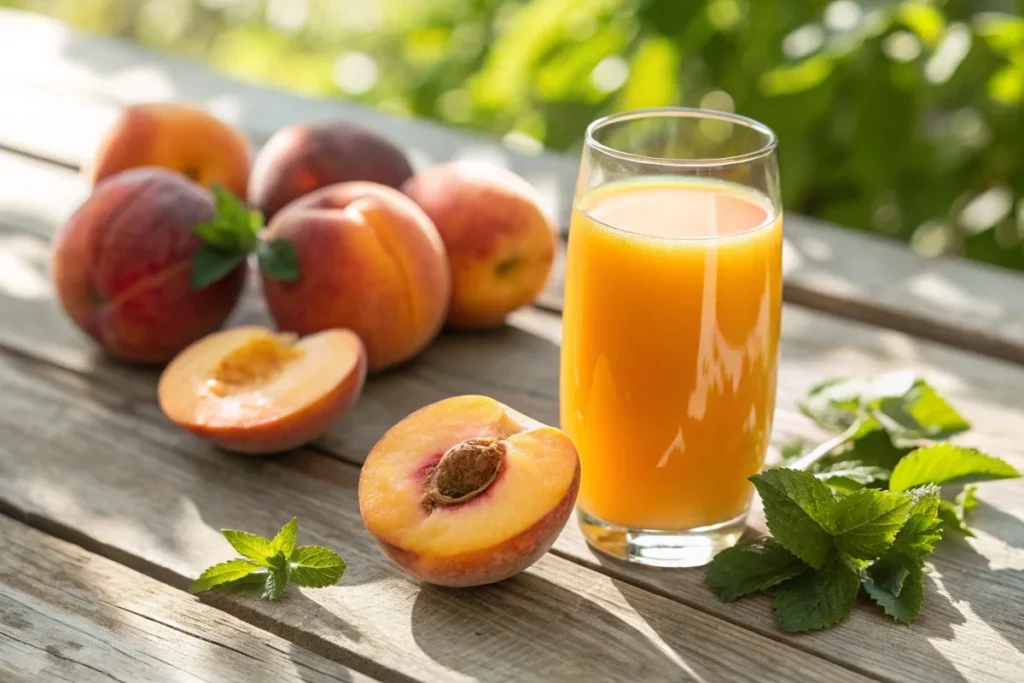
[769, 147]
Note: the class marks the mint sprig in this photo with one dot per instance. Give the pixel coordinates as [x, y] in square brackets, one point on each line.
[272, 564]
[231, 236]
[861, 510]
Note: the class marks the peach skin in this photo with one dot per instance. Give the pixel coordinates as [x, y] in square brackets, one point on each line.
[300, 159]
[500, 242]
[250, 390]
[467, 491]
[369, 261]
[178, 137]
[122, 266]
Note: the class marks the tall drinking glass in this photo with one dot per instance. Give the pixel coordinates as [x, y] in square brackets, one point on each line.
[673, 299]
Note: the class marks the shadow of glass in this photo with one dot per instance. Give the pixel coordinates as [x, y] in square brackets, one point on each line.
[507, 633]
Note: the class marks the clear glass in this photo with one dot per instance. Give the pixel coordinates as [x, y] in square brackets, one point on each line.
[673, 299]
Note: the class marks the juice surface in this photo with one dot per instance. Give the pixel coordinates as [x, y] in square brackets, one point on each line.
[670, 348]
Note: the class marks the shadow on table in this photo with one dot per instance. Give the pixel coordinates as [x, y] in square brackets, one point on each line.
[586, 642]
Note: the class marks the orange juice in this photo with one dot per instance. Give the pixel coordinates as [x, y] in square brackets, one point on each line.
[670, 347]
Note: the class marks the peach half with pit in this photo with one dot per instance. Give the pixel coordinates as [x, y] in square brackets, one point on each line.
[467, 491]
[251, 390]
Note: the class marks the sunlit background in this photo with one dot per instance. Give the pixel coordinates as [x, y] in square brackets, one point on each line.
[904, 118]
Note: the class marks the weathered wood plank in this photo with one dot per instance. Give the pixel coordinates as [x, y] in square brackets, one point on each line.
[519, 366]
[69, 615]
[61, 89]
[151, 497]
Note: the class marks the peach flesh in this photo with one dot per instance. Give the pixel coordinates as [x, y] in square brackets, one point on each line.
[479, 522]
[253, 391]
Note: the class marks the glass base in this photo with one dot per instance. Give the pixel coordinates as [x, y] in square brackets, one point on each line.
[659, 548]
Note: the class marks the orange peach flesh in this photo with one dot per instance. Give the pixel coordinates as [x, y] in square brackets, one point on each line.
[250, 390]
[495, 534]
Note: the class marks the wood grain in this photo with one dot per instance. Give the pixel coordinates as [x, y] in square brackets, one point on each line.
[969, 626]
[62, 89]
[69, 615]
[151, 497]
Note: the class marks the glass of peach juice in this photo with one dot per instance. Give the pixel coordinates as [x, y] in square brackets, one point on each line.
[673, 297]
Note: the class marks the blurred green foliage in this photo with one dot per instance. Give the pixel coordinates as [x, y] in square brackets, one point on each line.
[905, 118]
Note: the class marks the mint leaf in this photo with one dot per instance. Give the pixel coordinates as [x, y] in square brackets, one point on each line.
[920, 413]
[816, 599]
[210, 264]
[256, 223]
[792, 450]
[799, 511]
[867, 521]
[954, 515]
[947, 464]
[835, 403]
[315, 567]
[872, 449]
[277, 581]
[231, 214]
[923, 528]
[256, 548]
[284, 542]
[750, 567]
[896, 583]
[851, 476]
[278, 260]
[223, 573]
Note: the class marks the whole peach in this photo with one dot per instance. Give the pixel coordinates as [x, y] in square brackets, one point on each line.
[500, 242]
[300, 159]
[370, 261]
[122, 266]
[181, 138]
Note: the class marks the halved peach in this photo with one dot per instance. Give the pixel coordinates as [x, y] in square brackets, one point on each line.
[468, 491]
[252, 390]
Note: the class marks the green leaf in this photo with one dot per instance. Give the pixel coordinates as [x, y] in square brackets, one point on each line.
[947, 464]
[954, 515]
[920, 413]
[277, 581]
[211, 264]
[896, 583]
[871, 449]
[278, 260]
[799, 511]
[968, 498]
[231, 214]
[851, 476]
[256, 548]
[867, 521]
[223, 573]
[792, 450]
[284, 542]
[923, 528]
[315, 567]
[816, 599]
[750, 567]
[835, 403]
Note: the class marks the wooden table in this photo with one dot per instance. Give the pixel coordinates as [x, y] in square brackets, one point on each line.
[109, 511]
